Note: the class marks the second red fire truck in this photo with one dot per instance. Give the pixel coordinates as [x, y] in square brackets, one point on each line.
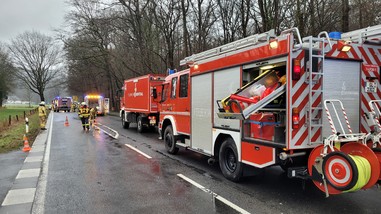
[139, 104]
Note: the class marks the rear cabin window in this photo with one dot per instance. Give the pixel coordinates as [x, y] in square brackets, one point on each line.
[174, 86]
[184, 85]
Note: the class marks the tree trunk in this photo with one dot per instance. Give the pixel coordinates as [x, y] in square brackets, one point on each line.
[360, 14]
[41, 94]
[345, 16]
[312, 18]
[261, 5]
[1, 98]
[200, 33]
[185, 29]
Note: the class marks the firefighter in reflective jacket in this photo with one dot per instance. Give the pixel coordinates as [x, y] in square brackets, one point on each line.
[42, 115]
[93, 115]
[84, 114]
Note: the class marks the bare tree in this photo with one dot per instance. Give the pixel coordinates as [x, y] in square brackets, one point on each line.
[167, 17]
[37, 58]
[228, 12]
[6, 77]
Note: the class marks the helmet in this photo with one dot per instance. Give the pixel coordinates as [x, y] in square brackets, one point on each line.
[83, 103]
[42, 103]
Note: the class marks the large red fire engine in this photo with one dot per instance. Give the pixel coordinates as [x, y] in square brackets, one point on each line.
[138, 104]
[62, 104]
[279, 100]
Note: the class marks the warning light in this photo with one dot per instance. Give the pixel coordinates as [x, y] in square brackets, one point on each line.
[296, 69]
[295, 118]
[343, 46]
[273, 44]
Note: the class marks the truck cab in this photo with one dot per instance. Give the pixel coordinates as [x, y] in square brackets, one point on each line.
[175, 105]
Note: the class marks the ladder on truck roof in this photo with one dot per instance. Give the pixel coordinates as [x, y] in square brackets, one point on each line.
[236, 45]
[370, 34]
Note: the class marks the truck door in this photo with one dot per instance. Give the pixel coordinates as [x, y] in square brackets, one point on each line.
[201, 113]
[341, 81]
[179, 96]
[370, 90]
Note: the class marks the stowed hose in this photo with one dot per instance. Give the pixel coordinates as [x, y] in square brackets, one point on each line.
[364, 172]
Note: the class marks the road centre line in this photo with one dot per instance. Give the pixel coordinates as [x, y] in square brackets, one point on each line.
[220, 198]
[138, 151]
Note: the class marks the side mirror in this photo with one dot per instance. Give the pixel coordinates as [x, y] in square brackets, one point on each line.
[154, 93]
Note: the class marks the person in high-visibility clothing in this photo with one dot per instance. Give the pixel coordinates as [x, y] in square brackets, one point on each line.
[42, 115]
[93, 115]
[84, 114]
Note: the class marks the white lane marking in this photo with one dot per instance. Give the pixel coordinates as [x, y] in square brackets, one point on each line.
[220, 198]
[39, 202]
[28, 173]
[33, 159]
[138, 151]
[19, 196]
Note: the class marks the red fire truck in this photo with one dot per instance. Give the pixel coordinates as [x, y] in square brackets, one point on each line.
[279, 100]
[138, 104]
[62, 104]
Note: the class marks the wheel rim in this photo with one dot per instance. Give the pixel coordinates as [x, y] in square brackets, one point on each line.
[230, 160]
[338, 171]
[168, 140]
[139, 124]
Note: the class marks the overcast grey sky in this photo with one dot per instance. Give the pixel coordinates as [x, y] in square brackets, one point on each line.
[17, 16]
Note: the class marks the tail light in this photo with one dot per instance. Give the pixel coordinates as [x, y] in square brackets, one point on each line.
[296, 69]
[152, 118]
[295, 118]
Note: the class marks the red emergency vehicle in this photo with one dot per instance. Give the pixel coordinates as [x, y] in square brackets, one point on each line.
[62, 104]
[217, 107]
[138, 103]
[96, 101]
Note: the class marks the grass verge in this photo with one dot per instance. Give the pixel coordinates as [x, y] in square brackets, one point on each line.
[5, 112]
[11, 138]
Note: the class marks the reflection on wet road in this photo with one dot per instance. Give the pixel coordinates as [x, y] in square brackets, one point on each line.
[93, 173]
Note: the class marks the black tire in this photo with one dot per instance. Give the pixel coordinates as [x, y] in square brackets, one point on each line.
[125, 124]
[228, 158]
[170, 140]
[140, 126]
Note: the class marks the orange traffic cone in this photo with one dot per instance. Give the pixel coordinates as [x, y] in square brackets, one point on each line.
[66, 122]
[26, 145]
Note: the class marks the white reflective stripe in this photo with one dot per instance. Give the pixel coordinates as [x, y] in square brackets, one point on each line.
[138, 151]
[176, 113]
[135, 109]
[220, 198]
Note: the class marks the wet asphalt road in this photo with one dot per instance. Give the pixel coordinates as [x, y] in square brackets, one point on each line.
[92, 173]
